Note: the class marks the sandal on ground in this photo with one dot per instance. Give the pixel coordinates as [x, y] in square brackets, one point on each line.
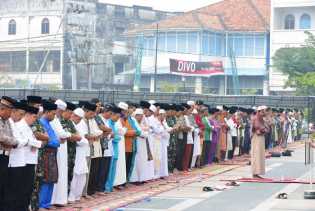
[232, 183]
[282, 196]
[207, 189]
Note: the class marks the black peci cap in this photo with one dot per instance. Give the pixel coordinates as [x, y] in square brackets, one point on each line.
[71, 106]
[90, 107]
[48, 106]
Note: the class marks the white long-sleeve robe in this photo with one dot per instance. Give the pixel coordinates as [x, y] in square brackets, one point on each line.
[156, 130]
[60, 193]
[121, 176]
[140, 171]
[165, 142]
[80, 169]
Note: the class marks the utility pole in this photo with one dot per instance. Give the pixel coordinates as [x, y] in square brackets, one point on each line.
[156, 55]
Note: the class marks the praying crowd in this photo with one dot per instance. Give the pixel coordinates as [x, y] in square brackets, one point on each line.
[54, 153]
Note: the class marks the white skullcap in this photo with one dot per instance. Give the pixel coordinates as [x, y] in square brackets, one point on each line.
[162, 111]
[261, 108]
[153, 108]
[123, 106]
[191, 103]
[195, 111]
[220, 108]
[79, 112]
[152, 102]
[61, 105]
[138, 111]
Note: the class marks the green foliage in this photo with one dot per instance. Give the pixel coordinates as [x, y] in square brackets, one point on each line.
[299, 64]
[168, 87]
[248, 91]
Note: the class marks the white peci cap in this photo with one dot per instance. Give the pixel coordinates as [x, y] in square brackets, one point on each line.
[162, 111]
[79, 112]
[138, 111]
[61, 105]
[261, 108]
[123, 106]
[191, 103]
[153, 108]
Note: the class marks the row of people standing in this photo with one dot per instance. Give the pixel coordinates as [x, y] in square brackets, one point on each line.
[79, 150]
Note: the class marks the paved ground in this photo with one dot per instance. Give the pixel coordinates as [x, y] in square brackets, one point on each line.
[246, 197]
[184, 192]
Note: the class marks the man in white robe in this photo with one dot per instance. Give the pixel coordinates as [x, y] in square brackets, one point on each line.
[156, 130]
[60, 192]
[140, 173]
[80, 169]
[165, 138]
[121, 175]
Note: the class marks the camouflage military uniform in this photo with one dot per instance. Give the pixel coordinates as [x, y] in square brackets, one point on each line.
[69, 127]
[171, 122]
[39, 171]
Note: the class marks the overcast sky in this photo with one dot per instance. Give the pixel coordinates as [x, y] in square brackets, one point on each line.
[168, 5]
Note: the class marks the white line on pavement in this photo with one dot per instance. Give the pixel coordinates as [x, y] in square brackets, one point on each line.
[272, 166]
[185, 204]
[272, 201]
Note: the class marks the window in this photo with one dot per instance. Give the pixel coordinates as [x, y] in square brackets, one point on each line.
[289, 22]
[192, 42]
[13, 61]
[171, 42]
[238, 45]
[51, 65]
[119, 67]
[249, 45]
[205, 43]
[12, 27]
[259, 45]
[305, 21]
[181, 42]
[45, 26]
[219, 44]
[162, 42]
[119, 12]
[149, 46]
[212, 44]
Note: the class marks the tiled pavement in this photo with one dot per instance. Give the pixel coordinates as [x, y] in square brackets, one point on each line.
[133, 193]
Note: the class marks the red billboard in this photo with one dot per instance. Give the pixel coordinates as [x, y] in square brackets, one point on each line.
[189, 68]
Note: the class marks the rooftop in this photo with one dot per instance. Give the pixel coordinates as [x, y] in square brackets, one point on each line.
[227, 15]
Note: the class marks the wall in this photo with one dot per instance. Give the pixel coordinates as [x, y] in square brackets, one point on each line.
[287, 38]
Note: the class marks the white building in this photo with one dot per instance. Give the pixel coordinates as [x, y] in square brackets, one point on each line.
[207, 34]
[65, 43]
[28, 30]
[289, 20]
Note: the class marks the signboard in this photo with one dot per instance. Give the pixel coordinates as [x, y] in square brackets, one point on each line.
[189, 68]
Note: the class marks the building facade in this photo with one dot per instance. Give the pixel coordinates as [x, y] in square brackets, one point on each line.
[289, 20]
[71, 44]
[203, 35]
[31, 32]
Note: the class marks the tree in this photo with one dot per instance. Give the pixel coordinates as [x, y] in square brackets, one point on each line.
[299, 64]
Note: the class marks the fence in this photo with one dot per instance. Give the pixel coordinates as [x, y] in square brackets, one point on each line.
[117, 96]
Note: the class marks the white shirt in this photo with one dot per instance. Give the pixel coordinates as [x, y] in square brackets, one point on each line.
[17, 155]
[57, 127]
[95, 131]
[31, 151]
[232, 127]
[190, 139]
[82, 129]
[82, 150]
